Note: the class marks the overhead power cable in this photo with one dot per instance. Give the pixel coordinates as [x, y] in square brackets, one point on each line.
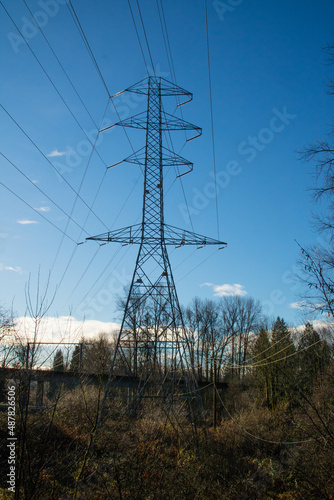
[169, 55]
[168, 42]
[52, 83]
[258, 438]
[86, 42]
[81, 183]
[67, 266]
[173, 72]
[198, 265]
[84, 272]
[138, 38]
[53, 167]
[146, 39]
[89, 49]
[60, 64]
[75, 249]
[43, 193]
[37, 212]
[168, 52]
[104, 270]
[180, 179]
[211, 113]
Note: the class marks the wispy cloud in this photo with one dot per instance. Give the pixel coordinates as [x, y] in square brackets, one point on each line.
[226, 289]
[55, 152]
[15, 269]
[43, 209]
[298, 305]
[25, 221]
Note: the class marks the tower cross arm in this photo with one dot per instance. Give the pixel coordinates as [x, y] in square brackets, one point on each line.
[179, 237]
[166, 88]
[125, 235]
[172, 236]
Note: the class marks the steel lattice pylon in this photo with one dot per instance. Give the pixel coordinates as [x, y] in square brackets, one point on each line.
[152, 345]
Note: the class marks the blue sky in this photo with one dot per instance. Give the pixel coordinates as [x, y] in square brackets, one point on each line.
[268, 74]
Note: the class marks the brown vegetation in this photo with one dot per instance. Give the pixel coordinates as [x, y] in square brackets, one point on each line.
[274, 437]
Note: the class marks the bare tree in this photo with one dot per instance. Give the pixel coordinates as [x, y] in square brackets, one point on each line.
[97, 354]
[241, 316]
[317, 262]
[220, 333]
[7, 336]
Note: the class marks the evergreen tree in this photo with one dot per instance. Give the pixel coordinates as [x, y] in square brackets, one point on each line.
[314, 356]
[58, 361]
[263, 374]
[57, 365]
[75, 363]
[97, 355]
[283, 362]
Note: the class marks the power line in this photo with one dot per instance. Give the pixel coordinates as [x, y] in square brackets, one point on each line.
[144, 30]
[211, 113]
[67, 266]
[104, 270]
[180, 179]
[43, 193]
[198, 265]
[37, 212]
[138, 38]
[77, 193]
[83, 36]
[172, 70]
[257, 437]
[166, 40]
[168, 43]
[51, 164]
[143, 55]
[60, 64]
[75, 249]
[114, 256]
[89, 49]
[52, 83]
[84, 272]
[81, 183]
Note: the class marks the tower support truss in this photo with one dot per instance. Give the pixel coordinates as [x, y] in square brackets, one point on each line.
[152, 344]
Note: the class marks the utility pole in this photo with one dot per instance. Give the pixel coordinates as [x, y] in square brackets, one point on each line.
[152, 344]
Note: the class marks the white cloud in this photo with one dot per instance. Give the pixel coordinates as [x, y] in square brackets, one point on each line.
[15, 269]
[25, 221]
[298, 305]
[317, 325]
[64, 328]
[43, 209]
[226, 289]
[55, 152]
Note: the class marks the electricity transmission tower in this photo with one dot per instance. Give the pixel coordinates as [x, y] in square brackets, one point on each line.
[152, 349]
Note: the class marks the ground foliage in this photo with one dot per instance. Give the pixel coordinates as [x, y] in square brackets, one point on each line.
[269, 443]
